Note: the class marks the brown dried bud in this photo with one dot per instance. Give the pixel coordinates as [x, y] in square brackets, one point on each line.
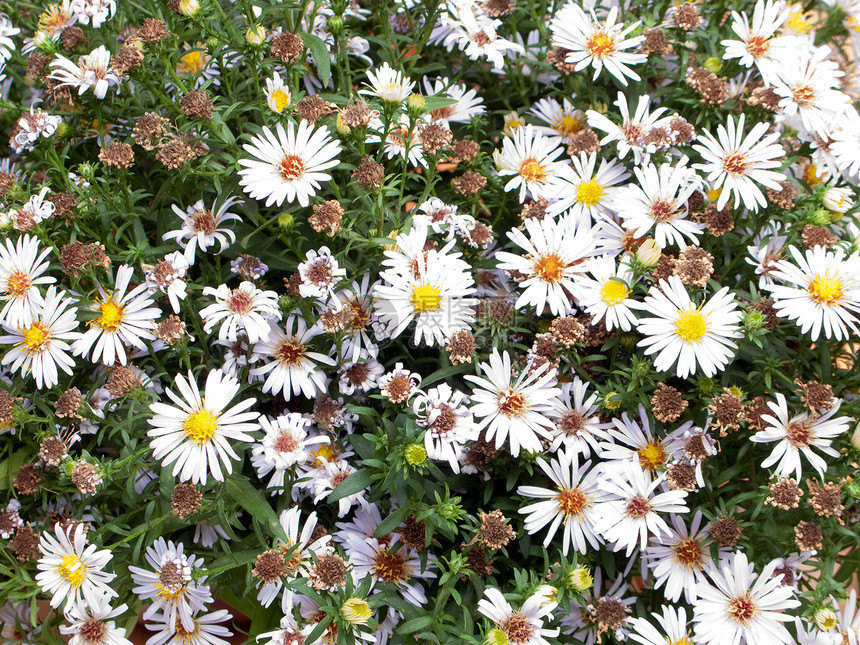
[725, 531]
[68, 404]
[26, 481]
[151, 31]
[460, 347]
[368, 172]
[471, 183]
[667, 404]
[117, 155]
[312, 108]
[170, 330]
[196, 105]
[185, 500]
[71, 37]
[327, 215]
[287, 47]
[495, 532]
[127, 58]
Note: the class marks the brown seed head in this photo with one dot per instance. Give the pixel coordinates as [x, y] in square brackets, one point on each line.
[327, 215]
[784, 493]
[667, 404]
[726, 531]
[117, 155]
[808, 536]
[494, 532]
[185, 500]
[197, 104]
[27, 479]
[287, 47]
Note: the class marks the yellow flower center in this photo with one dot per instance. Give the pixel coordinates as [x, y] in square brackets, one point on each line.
[73, 569]
[613, 292]
[324, 451]
[18, 284]
[192, 63]
[571, 501]
[549, 268]
[652, 456]
[278, 100]
[36, 338]
[589, 193]
[691, 326]
[111, 316]
[200, 426]
[825, 290]
[568, 125]
[798, 22]
[532, 170]
[425, 297]
[170, 593]
[600, 45]
[684, 640]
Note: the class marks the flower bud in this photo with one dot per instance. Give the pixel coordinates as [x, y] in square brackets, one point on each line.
[838, 199]
[649, 254]
[826, 619]
[512, 122]
[713, 64]
[416, 104]
[255, 34]
[189, 7]
[580, 579]
[356, 611]
[821, 217]
[335, 25]
[855, 438]
[415, 455]
[342, 128]
[612, 401]
[285, 221]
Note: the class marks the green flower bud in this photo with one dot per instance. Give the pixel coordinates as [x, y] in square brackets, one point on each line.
[713, 65]
[415, 455]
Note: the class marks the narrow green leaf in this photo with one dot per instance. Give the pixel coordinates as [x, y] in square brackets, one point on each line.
[253, 501]
[355, 483]
[319, 50]
[390, 523]
[415, 625]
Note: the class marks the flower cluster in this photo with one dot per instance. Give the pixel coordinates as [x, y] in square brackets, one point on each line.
[503, 322]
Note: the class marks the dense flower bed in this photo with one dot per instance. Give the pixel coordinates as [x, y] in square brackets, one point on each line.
[496, 322]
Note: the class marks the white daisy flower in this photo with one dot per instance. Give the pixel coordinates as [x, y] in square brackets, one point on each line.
[357, 304]
[327, 478]
[590, 192]
[399, 384]
[290, 166]
[70, 569]
[401, 139]
[99, 11]
[517, 410]
[284, 446]
[583, 621]
[31, 126]
[355, 377]
[92, 71]
[630, 133]
[167, 277]
[563, 119]
[195, 433]
[21, 272]
[476, 35]
[436, 215]
[530, 158]
[571, 503]
[554, 254]
[201, 228]
[808, 85]
[301, 550]
[577, 426]
[595, 43]
[448, 423]
[737, 605]
[388, 560]
[823, 291]
[845, 145]
[294, 368]
[40, 346]
[758, 44]
[124, 317]
[278, 96]
[632, 441]
[320, 273]
[35, 210]
[673, 628]
[434, 293]
[245, 309]
[92, 624]
[631, 508]
[799, 435]
[696, 336]
[659, 202]
[766, 253]
[680, 558]
[204, 630]
[524, 626]
[466, 104]
[735, 162]
[388, 85]
[605, 295]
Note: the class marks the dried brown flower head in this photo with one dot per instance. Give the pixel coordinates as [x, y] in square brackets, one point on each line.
[556, 57]
[170, 330]
[122, 380]
[86, 477]
[495, 532]
[327, 215]
[753, 414]
[498, 8]
[185, 500]
[784, 197]
[719, 222]
[197, 104]
[36, 65]
[585, 140]
[151, 31]
[357, 114]
[655, 42]
[75, 258]
[177, 152]
[7, 405]
[287, 47]
[708, 85]
[464, 150]
[567, 331]
[328, 413]
[813, 236]
[71, 37]
[26, 481]
[434, 137]
[667, 404]
[311, 108]
[681, 476]
[117, 155]
[686, 17]
[68, 404]
[808, 536]
[52, 451]
[270, 566]
[368, 172]
[460, 347]
[477, 561]
[25, 544]
[471, 183]
[725, 531]
[764, 97]
[826, 499]
[149, 130]
[329, 572]
[694, 266]
[728, 411]
[127, 58]
[818, 397]
[784, 493]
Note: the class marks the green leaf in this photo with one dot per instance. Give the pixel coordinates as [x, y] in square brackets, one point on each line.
[319, 50]
[317, 631]
[9, 467]
[355, 483]
[252, 500]
[391, 522]
[435, 102]
[415, 625]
